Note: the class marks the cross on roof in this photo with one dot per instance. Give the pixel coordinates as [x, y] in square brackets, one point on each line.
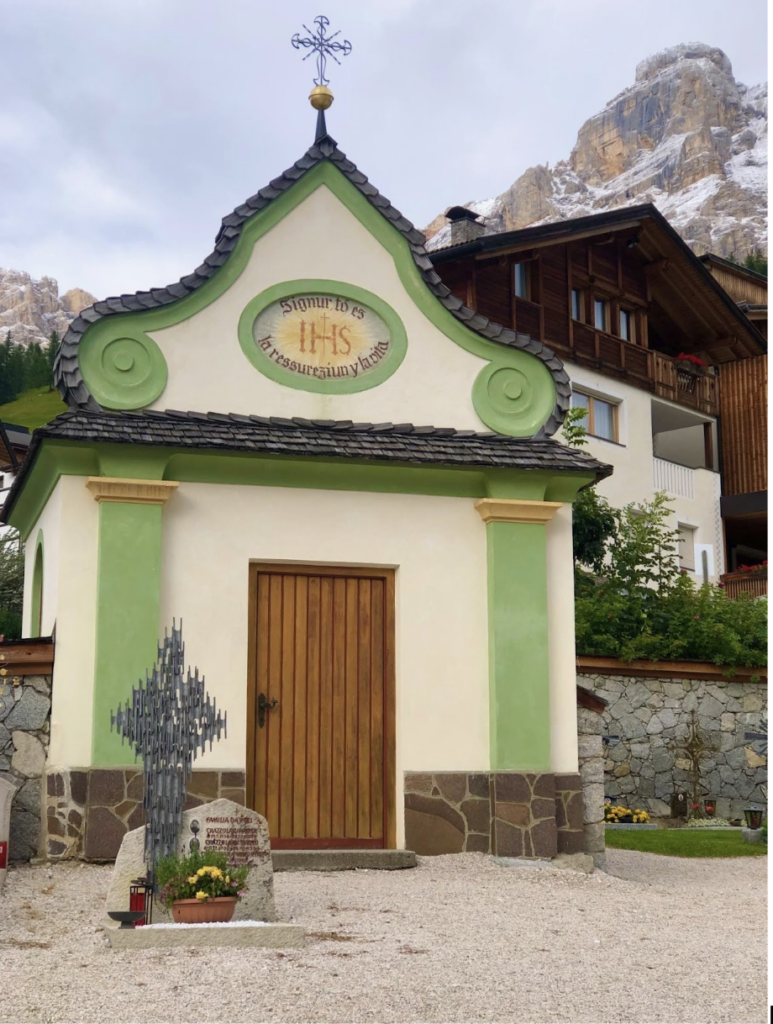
[168, 720]
[323, 45]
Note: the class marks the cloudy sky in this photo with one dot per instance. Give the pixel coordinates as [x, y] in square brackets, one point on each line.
[128, 128]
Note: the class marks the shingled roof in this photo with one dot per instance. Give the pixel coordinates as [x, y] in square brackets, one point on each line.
[327, 439]
[67, 372]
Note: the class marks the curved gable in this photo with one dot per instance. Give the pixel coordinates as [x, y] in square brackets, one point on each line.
[117, 340]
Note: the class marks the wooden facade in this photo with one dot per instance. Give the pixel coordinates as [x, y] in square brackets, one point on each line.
[744, 419]
[657, 303]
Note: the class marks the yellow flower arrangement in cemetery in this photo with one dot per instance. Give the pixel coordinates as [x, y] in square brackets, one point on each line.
[617, 814]
[202, 875]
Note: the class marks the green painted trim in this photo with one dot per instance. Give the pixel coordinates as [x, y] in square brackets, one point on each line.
[54, 460]
[36, 605]
[126, 372]
[329, 386]
[57, 458]
[128, 614]
[517, 401]
[519, 690]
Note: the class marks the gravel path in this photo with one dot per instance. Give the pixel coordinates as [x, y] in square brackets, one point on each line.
[457, 939]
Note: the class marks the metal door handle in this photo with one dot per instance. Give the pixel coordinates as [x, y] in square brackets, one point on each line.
[265, 705]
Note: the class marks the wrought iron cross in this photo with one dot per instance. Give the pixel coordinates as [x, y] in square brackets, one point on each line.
[168, 720]
[760, 737]
[323, 45]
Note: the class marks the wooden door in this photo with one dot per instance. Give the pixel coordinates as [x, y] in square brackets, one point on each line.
[320, 764]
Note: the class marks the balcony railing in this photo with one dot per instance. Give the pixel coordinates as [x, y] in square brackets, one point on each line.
[677, 481]
[753, 583]
[645, 368]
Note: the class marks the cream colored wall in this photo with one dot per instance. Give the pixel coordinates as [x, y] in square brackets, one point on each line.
[563, 670]
[320, 238]
[438, 545]
[50, 523]
[632, 460]
[70, 559]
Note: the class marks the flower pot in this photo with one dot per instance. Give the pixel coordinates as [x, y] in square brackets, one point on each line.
[216, 908]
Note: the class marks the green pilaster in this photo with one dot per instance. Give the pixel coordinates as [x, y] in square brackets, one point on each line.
[518, 646]
[128, 608]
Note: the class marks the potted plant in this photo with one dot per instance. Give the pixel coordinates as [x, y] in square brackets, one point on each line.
[619, 815]
[201, 888]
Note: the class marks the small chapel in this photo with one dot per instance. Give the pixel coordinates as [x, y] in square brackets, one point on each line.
[345, 488]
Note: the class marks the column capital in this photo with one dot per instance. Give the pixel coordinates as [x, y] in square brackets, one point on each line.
[133, 492]
[516, 510]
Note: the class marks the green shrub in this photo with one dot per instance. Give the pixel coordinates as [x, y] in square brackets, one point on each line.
[633, 601]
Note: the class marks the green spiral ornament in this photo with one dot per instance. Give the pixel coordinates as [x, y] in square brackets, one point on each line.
[515, 396]
[122, 371]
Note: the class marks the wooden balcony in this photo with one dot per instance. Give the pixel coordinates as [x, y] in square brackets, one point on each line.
[753, 583]
[644, 368]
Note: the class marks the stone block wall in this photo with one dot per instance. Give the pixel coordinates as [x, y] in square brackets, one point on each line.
[509, 814]
[25, 709]
[590, 726]
[89, 811]
[649, 714]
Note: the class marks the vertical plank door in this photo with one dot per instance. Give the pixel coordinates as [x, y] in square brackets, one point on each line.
[320, 766]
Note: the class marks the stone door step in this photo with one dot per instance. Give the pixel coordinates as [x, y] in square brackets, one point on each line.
[342, 860]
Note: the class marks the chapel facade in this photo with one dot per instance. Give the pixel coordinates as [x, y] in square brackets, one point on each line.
[344, 483]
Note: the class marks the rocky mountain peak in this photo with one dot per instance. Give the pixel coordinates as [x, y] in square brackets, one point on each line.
[31, 309]
[685, 136]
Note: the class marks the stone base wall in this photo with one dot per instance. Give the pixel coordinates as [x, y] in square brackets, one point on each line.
[590, 726]
[89, 810]
[508, 814]
[649, 714]
[25, 708]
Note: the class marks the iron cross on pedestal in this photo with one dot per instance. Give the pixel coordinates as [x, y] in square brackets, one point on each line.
[167, 721]
[323, 45]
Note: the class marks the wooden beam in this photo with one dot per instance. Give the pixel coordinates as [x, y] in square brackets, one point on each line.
[594, 664]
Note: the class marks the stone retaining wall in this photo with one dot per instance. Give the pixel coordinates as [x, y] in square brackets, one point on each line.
[25, 707]
[648, 714]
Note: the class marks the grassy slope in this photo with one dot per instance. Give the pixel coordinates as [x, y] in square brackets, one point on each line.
[684, 842]
[33, 408]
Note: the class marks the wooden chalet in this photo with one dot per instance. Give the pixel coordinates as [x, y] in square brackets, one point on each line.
[621, 293]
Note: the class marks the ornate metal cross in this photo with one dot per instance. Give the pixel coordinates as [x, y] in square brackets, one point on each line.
[168, 720]
[323, 45]
[760, 737]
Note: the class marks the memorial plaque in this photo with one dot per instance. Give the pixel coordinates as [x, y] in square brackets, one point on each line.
[240, 833]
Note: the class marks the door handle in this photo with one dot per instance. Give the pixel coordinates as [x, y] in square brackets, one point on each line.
[265, 705]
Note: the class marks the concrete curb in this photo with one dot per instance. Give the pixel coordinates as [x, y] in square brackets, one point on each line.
[241, 934]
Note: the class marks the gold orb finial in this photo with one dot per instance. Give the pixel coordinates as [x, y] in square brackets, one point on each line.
[320, 97]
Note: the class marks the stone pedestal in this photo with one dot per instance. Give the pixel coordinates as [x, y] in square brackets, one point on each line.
[751, 835]
[224, 825]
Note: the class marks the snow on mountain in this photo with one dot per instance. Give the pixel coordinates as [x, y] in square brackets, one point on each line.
[685, 136]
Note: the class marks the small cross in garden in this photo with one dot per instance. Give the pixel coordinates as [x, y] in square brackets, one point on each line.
[168, 720]
[323, 45]
[760, 737]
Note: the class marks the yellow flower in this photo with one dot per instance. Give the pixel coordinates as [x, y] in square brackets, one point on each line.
[201, 871]
[201, 895]
[227, 879]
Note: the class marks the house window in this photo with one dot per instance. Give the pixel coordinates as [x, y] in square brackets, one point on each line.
[686, 545]
[626, 325]
[601, 418]
[600, 315]
[577, 304]
[521, 280]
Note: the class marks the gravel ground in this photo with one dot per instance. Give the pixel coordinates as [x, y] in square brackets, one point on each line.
[456, 939]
